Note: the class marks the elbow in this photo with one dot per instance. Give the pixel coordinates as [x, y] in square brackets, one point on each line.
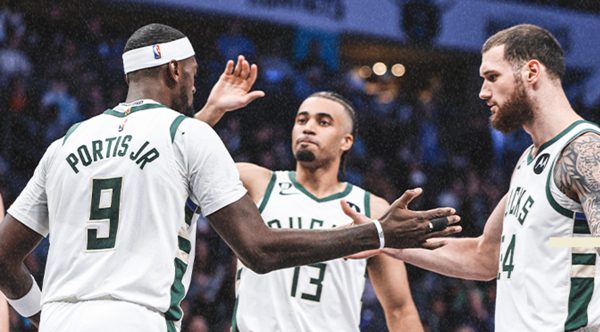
[259, 261]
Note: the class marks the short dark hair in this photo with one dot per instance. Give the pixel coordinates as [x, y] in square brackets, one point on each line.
[524, 42]
[342, 101]
[154, 33]
[151, 34]
[349, 110]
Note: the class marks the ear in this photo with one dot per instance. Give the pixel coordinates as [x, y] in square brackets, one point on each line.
[174, 71]
[347, 142]
[534, 70]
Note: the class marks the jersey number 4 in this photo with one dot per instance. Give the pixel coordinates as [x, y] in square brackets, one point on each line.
[318, 282]
[106, 200]
[507, 262]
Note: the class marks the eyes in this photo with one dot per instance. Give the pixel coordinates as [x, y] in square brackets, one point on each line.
[322, 121]
[490, 77]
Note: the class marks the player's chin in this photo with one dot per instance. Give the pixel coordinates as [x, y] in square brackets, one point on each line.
[304, 155]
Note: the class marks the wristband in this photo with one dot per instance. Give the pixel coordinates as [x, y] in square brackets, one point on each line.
[379, 233]
[30, 304]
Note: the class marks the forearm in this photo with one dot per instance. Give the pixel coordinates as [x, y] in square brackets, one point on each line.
[15, 283]
[281, 248]
[459, 258]
[15, 280]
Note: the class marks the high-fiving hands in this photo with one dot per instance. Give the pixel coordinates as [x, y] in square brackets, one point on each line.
[404, 228]
[231, 92]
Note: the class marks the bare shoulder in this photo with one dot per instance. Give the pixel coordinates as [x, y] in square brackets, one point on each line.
[378, 206]
[255, 178]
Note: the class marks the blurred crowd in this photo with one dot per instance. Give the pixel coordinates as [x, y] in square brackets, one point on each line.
[56, 70]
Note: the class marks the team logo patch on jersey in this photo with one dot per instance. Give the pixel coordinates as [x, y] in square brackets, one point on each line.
[285, 187]
[541, 163]
[156, 51]
[122, 125]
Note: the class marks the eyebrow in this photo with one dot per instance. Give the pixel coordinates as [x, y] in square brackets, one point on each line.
[320, 114]
[489, 71]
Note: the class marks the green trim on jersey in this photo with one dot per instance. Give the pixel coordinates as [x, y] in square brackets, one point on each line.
[580, 296]
[298, 186]
[530, 158]
[171, 326]
[143, 107]
[267, 195]
[234, 327]
[175, 313]
[560, 209]
[557, 207]
[184, 244]
[174, 125]
[581, 227]
[584, 259]
[367, 204]
[177, 292]
[70, 131]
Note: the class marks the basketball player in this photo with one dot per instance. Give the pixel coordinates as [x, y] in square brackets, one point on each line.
[554, 193]
[325, 296]
[118, 193]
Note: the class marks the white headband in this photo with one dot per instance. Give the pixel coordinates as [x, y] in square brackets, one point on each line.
[157, 54]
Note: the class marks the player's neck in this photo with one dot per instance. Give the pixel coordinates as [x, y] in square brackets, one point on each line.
[139, 91]
[319, 181]
[552, 115]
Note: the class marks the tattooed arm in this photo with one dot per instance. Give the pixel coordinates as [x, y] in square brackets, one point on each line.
[577, 174]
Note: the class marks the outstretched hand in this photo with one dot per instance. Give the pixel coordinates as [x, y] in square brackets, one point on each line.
[404, 228]
[231, 92]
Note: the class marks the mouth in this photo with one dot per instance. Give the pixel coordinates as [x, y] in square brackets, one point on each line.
[304, 142]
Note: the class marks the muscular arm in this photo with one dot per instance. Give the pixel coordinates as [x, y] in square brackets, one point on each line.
[577, 174]
[264, 249]
[466, 258]
[389, 279]
[16, 242]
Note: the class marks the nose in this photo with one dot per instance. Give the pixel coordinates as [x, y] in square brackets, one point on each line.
[485, 92]
[309, 127]
[193, 90]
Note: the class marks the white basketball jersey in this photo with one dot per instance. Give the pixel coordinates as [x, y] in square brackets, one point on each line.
[540, 287]
[324, 296]
[117, 196]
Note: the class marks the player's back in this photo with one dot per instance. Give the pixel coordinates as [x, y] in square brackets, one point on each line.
[115, 234]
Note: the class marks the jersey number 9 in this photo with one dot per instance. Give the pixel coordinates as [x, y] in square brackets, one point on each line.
[106, 200]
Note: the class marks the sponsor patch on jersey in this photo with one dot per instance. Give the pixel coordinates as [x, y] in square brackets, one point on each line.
[156, 51]
[541, 163]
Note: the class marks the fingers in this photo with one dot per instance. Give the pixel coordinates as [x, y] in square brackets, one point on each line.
[253, 74]
[437, 213]
[238, 66]
[431, 245]
[444, 233]
[228, 68]
[350, 212]
[407, 197]
[251, 96]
